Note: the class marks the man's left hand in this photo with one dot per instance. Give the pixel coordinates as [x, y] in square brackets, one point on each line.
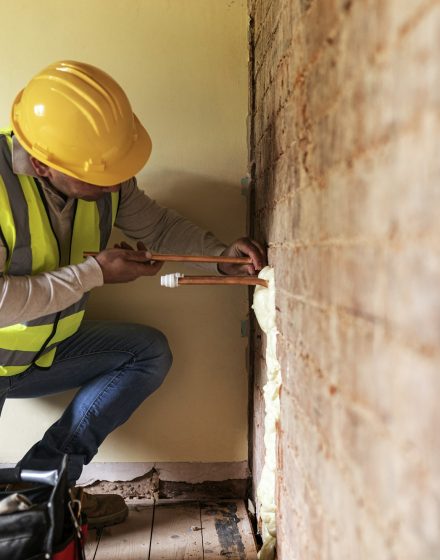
[244, 247]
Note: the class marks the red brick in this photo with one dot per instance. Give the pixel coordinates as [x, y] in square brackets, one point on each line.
[347, 197]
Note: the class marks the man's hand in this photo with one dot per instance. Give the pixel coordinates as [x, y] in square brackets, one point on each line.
[244, 247]
[124, 264]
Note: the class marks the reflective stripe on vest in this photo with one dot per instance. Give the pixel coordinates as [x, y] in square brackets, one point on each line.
[32, 248]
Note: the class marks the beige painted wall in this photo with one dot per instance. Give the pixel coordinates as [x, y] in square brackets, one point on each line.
[184, 67]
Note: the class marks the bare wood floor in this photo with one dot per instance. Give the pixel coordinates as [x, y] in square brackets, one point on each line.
[178, 531]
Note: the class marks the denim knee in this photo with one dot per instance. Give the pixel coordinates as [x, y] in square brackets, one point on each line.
[155, 354]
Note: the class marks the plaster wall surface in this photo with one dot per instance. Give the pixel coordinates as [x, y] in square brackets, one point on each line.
[344, 127]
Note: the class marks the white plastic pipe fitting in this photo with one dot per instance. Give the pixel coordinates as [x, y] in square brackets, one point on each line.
[171, 280]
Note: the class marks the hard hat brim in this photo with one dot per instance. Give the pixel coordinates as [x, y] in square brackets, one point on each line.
[112, 174]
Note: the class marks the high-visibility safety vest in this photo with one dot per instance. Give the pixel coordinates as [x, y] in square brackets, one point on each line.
[32, 248]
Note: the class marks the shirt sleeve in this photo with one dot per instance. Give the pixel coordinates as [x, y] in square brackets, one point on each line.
[23, 298]
[161, 229]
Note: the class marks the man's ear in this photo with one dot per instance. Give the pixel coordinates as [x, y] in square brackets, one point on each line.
[41, 169]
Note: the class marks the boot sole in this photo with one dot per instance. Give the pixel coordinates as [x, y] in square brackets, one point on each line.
[107, 520]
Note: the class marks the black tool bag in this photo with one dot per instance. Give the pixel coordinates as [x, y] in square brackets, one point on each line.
[50, 523]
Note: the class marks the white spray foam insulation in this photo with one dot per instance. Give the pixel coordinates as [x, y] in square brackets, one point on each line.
[264, 307]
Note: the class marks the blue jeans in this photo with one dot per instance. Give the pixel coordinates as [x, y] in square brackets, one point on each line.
[116, 367]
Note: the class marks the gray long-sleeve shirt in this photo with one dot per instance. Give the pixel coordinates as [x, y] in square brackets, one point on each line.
[23, 298]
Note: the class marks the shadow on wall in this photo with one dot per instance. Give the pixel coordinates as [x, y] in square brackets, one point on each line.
[214, 205]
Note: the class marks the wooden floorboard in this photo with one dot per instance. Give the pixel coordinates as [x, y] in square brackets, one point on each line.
[227, 532]
[176, 532]
[91, 544]
[129, 540]
[246, 531]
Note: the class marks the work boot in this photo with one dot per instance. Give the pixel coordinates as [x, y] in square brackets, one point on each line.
[101, 509]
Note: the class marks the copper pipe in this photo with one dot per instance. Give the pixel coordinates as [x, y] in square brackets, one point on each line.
[189, 258]
[219, 280]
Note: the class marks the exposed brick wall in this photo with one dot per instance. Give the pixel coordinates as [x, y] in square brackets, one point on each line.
[345, 149]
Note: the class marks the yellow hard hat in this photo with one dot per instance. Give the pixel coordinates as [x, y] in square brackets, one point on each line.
[75, 118]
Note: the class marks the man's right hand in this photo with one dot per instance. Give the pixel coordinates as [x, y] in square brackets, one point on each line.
[125, 265]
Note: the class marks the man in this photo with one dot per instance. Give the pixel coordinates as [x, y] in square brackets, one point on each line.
[67, 176]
